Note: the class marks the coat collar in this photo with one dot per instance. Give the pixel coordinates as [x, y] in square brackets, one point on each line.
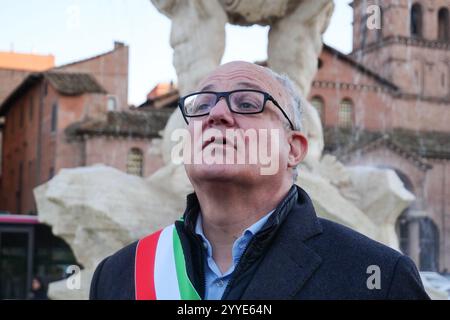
[279, 214]
[288, 256]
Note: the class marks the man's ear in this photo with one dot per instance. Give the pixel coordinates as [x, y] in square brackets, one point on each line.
[298, 148]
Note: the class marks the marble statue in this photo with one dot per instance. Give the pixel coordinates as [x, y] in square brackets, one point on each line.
[296, 26]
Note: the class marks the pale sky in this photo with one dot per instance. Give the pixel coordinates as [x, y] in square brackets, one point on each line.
[77, 29]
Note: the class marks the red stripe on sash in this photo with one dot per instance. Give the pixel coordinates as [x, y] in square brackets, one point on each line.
[145, 267]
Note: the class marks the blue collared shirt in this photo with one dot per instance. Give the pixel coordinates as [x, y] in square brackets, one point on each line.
[216, 282]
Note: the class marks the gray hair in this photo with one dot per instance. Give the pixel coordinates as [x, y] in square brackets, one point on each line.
[295, 106]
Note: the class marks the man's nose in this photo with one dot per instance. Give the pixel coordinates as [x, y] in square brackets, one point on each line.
[221, 114]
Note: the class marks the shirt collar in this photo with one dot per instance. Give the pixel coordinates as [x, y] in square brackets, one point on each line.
[252, 230]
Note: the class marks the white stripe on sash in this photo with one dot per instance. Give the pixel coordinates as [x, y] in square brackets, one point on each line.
[166, 281]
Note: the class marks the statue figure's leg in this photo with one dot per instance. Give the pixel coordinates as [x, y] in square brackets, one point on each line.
[198, 40]
[295, 43]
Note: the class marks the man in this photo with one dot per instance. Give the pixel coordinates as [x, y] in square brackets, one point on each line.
[248, 233]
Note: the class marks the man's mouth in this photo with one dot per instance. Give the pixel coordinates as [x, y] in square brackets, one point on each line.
[222, 141]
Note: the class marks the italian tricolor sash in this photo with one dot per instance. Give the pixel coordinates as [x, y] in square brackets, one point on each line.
[160, 268]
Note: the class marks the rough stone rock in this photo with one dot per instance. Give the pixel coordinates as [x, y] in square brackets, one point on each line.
[98, 210]
[367, 199]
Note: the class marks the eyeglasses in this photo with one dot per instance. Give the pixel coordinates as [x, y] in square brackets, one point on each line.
[243, 101]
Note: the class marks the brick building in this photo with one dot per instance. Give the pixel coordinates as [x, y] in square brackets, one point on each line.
[35, 114]
[14, 67]
[70, 116]
[387, 104]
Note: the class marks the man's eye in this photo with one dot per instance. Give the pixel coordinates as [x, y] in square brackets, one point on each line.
[247, 106]
[202, 107]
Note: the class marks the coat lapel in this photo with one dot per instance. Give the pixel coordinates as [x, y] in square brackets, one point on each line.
[289, 263]
[292, 272]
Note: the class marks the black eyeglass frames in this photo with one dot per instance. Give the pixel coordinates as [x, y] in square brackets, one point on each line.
[242, 101]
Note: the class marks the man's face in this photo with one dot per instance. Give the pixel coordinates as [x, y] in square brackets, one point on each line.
[259, 147]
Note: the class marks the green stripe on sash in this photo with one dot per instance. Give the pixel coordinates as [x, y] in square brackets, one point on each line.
[187, 290]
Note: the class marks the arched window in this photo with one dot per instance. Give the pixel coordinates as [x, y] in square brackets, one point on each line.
[380, 30]
[345, 116]
[443, 77]
[317, 102]
[429, 245]
[135, 162]
[416, 20]
[443, 25]
[421, 231]
[402, 227]
[112, 103]
[319, 63]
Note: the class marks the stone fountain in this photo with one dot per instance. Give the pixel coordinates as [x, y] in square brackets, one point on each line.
[99, 209]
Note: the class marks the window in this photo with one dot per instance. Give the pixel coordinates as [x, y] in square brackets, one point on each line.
[345, 116]
[112, 103]
[443, 25]
[429, 245]
[135, 162]
[317, 102]
[54, 117]
[363, 30]
[13, 122]
[402, 228]
[416, 20]
[21, 119]
[30, 110]
[419, 235]
[319, 63]
[380, 30]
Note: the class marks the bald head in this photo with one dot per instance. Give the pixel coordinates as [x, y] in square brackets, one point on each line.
[246, 75]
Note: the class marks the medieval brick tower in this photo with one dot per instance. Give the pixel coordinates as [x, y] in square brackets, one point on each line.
[410, 47]
[405, 43]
